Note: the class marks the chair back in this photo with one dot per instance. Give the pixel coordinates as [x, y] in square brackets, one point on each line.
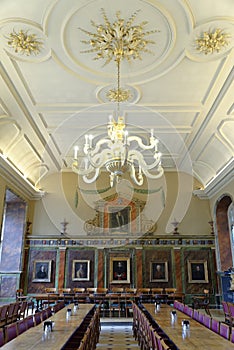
[37, 318]
[215, 325]
[19, 293]
[2, 339]
[30, 321]
[23, 309]
[50, 290]
[3, 314]
[91, 290]
[64, 290]
[157, 290]
[143, 290]
[102, 290]
[224, 330]
[170, 290]
[10, 313]
[232, 335]
[117, 289]
[231, 313]
[78, 290]
[131, 290]
[22, 326]
[207, 321]
[10, 331]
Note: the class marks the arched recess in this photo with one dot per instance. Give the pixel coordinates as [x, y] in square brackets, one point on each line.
[231, 226]
[223, 234]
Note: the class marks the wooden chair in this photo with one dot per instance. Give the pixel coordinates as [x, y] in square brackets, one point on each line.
[202, 302]
[231, 313]
[30, 321]
[79, 290]
[37, 318]
[224, 330]
[143, 290]
[157, 290]
[64, 290]
[131, 290]
[10, 331]
[3, 315]
[102, 290]
[215, 325]
[207, 321]
[50, 290]
[10, 313]
[19, 294]
[2, 338]
[170, 290]
[52, 299]
[91, 290]
[227, 316]
[22, 309]
[117, 290]
[232, 335]
[195, 314]
[188, 310]
[22, 326]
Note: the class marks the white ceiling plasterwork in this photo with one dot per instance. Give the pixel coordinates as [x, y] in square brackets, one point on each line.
[192, 92]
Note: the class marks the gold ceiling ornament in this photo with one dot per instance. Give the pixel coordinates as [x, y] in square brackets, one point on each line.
[118, 41]
[212, 42]
[118, 95]
[25, 43]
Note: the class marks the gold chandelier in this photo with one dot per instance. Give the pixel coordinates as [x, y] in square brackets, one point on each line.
[118, 153]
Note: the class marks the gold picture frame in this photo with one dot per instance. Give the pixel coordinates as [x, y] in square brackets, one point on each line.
[197, 271]
[119, 270]
[81, 270]
[42, 271]
[159, 271]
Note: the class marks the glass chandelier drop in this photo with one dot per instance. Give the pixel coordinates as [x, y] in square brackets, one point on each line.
[119, 152]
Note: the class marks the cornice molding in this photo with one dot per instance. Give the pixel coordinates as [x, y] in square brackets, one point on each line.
[214, 186]
[14, 178]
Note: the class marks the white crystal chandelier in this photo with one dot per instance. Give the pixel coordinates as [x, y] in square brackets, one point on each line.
[119, 152]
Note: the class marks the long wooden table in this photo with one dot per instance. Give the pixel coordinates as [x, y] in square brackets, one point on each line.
[197, 337]
[35, 338]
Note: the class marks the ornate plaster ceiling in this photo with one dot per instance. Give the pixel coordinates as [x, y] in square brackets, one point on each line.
[50, 99]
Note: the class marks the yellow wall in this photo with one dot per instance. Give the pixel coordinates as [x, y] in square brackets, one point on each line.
[59, 203]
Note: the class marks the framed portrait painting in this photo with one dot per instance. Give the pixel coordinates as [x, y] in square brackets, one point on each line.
[158, 271]
[119, 270]
[197, 271]
[80, 270]
[42, 271]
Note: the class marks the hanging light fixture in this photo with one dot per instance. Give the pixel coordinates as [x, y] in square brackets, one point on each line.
[119, 152]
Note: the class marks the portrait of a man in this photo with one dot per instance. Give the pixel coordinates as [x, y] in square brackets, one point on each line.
[119, 219]
[42, 271]
[80, 270]
[120, 270]
[197, 271]
[159, 271]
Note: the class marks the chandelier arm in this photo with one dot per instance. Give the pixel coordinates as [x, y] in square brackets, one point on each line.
[92, 179]
[102, 156]
[97, 146]
[155, 175]
[136, 155]
[153, 142]
[133, 177]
